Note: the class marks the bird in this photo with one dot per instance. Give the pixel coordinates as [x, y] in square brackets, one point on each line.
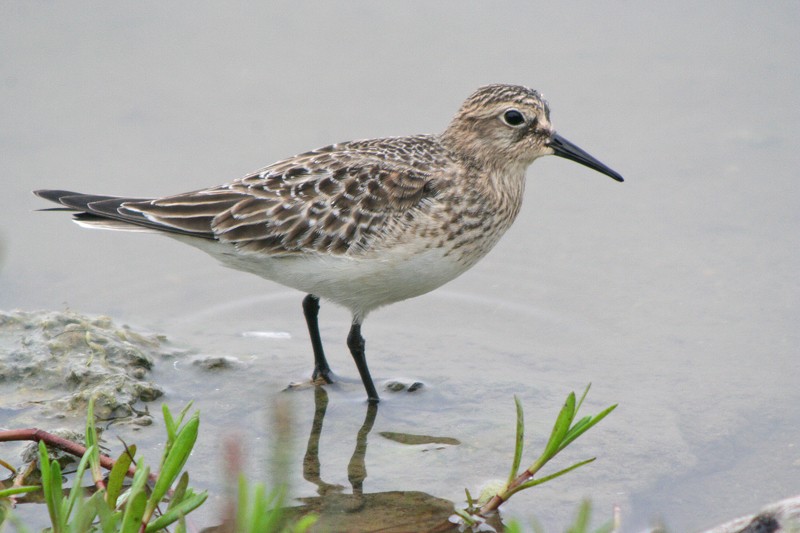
[363, 223]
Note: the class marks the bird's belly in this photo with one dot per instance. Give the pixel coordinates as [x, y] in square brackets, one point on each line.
[360, 284]
[364, 284]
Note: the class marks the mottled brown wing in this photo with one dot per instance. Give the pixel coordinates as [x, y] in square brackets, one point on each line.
[301, 205]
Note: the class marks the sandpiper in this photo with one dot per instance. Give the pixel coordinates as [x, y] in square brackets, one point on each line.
[363, 223]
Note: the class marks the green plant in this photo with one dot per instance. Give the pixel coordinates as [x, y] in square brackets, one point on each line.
[565, 431]
[152, 502]
[109, 509]
[259, 511]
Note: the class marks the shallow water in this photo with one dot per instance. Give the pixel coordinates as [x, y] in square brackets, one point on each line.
[675, 293]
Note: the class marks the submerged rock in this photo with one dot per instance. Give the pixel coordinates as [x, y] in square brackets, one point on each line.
[61, 359]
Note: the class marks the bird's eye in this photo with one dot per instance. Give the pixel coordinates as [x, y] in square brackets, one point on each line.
[512, 117]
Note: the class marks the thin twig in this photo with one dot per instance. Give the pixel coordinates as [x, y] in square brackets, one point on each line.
[66, 445]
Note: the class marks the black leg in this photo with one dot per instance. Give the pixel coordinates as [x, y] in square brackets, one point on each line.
[356, 344]
[311, 310]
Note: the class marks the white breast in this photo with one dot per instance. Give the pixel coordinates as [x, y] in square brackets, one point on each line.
[359, 284]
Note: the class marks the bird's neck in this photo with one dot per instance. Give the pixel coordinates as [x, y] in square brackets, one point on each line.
[499, 180]
[506, 187]
[502, 184]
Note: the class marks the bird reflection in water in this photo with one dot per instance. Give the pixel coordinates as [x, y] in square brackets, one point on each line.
[388, 511]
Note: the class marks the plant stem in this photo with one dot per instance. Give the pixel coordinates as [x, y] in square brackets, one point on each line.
[498, 499]
[37, 435]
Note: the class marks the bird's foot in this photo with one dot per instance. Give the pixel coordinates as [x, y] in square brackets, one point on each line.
[321, 376]
[318, 378]
[300, 385]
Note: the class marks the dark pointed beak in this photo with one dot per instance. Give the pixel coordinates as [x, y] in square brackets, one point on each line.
[563, 148]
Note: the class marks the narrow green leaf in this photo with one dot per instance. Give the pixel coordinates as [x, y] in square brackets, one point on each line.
[577, 428]
[172, 465]
[243, 510]
[593, 422]
[47, 486]
[183, 412]
[76, 491]
[57, 491]
[560, 428]
[172, 515]
[583, 397]
[117, 476]
[534, 482]
[519, 444]
[259, 510]
[270, 508]
[5, 493]
[94, 463]
[470, 501]
[91, 430]
[134, 512]
[180, 490]
[109, 520]
[83, 514]
[136, 501]
[91, 440]
[169, 423]
[8, 467]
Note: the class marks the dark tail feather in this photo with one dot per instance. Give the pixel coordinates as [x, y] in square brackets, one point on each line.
[90, 206]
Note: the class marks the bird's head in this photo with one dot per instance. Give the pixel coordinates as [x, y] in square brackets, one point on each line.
[508, 126]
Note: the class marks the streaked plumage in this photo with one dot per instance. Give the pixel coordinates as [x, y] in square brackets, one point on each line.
[364, 223]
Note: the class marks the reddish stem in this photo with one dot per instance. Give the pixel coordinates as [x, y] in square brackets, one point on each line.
[37, 435]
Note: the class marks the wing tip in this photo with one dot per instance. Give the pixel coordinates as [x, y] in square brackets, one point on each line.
[54, 195]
